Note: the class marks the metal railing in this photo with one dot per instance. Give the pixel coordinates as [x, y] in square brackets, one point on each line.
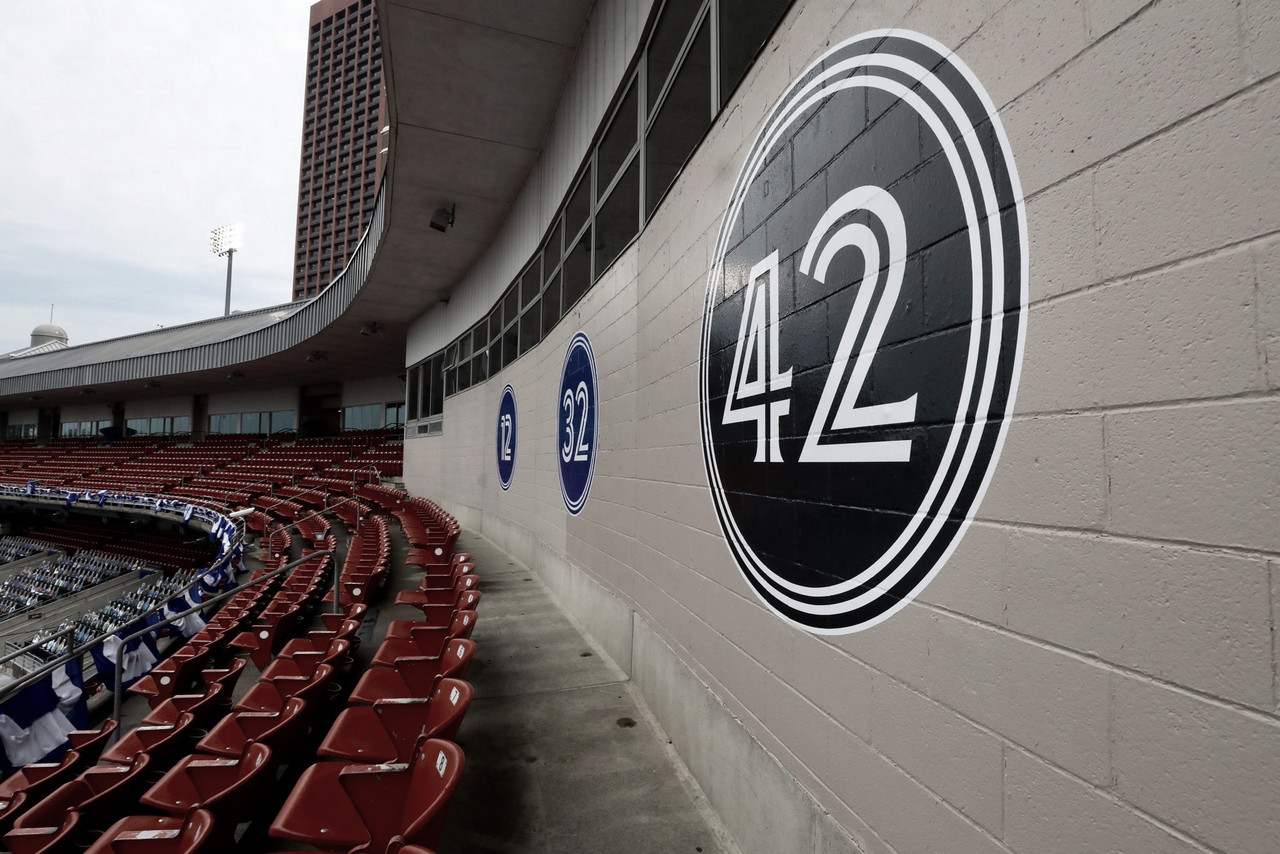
[213, 600]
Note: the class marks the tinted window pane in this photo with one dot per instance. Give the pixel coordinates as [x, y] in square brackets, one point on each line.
[510, 344]
[577, 273]
[530, 285]
[495, 323]
[681, 121]
[415, 376]
[617, 142]
[496, 362]
[744, 25]
[464, 348]
[668, 36]
[511, 305]
[480, 367]
[618, 219]
[551, 305]
[249, 422]
[530, 327]
[480, 336]
[551, 253]
[434, 380]
[464, 376]
[575, 215]
[450, 381]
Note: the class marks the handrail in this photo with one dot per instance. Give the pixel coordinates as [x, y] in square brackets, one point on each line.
[135, 503]
[337, 570]
[124, 643]
[5, 659]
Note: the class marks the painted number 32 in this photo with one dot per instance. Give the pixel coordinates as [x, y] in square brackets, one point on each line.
[574, 405]
[759, 392]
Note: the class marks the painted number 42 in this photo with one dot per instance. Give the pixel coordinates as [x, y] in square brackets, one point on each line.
[759, 390]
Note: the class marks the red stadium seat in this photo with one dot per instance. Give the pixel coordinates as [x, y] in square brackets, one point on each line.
[90, 743]
[303, 663]
[163, 744]
[270, 695]
[424, 639]
[388, 730]
[278, 730]
[227, 786]
[30, 783]
[37, 840]
[205, 708]
[175, 674]
[145, 834]
[99, 795]
[337, 807]
[413, 677]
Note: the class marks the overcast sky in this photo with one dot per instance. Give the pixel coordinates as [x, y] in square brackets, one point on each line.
[128, 131]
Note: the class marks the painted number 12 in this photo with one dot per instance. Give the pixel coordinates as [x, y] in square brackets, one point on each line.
[505, 425]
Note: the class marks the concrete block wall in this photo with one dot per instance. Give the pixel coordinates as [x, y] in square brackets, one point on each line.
[1095, 668]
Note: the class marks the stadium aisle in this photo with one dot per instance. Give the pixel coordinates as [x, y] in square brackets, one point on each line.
[559, 756]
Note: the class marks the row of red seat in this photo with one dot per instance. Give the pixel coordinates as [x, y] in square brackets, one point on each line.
[66, 817]
[389, 765]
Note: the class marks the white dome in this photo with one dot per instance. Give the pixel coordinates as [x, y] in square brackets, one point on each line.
[46, 332]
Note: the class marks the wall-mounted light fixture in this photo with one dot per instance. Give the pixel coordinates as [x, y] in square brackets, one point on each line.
[372, 328]
[443, 217]
[236, 375]
[317, 356]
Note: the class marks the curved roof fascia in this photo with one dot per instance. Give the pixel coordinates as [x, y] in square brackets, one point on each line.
[472, 91]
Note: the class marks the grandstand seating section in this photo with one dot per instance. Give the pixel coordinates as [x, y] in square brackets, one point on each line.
[372, 753]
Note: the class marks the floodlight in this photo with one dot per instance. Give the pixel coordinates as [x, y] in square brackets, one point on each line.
[225, 240]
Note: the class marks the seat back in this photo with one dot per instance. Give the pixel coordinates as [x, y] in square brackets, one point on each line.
[437, 768]
[449, 704]
[464, 622]
[457, 658]
[90, 744]
[196, 832]
[35, 839]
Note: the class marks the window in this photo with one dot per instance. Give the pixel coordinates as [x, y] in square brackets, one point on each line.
[614, 193]
[664, 46]
[225, 423]
[744, 26]
[578, 211]
[681, 121]
[577, 273]
[619, 218]
[367, 417]
[20, 431]
[618, 142]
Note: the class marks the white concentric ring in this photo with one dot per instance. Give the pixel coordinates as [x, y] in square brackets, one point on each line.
[985, 363]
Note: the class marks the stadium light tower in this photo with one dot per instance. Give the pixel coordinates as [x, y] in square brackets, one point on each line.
[225, 240]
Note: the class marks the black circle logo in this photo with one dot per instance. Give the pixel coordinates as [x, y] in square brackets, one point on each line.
[863, 330]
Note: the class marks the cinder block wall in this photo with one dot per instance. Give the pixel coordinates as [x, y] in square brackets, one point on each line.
[1095, 667]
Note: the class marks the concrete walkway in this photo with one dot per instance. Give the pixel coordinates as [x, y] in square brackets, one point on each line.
[560, 756]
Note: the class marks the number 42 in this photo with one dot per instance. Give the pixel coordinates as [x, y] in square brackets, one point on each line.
[753, 389]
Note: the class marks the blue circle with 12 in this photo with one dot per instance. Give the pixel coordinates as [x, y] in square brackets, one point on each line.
[507, 437]
[578, 427]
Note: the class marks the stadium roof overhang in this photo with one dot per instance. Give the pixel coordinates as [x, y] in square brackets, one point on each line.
[472, 89]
